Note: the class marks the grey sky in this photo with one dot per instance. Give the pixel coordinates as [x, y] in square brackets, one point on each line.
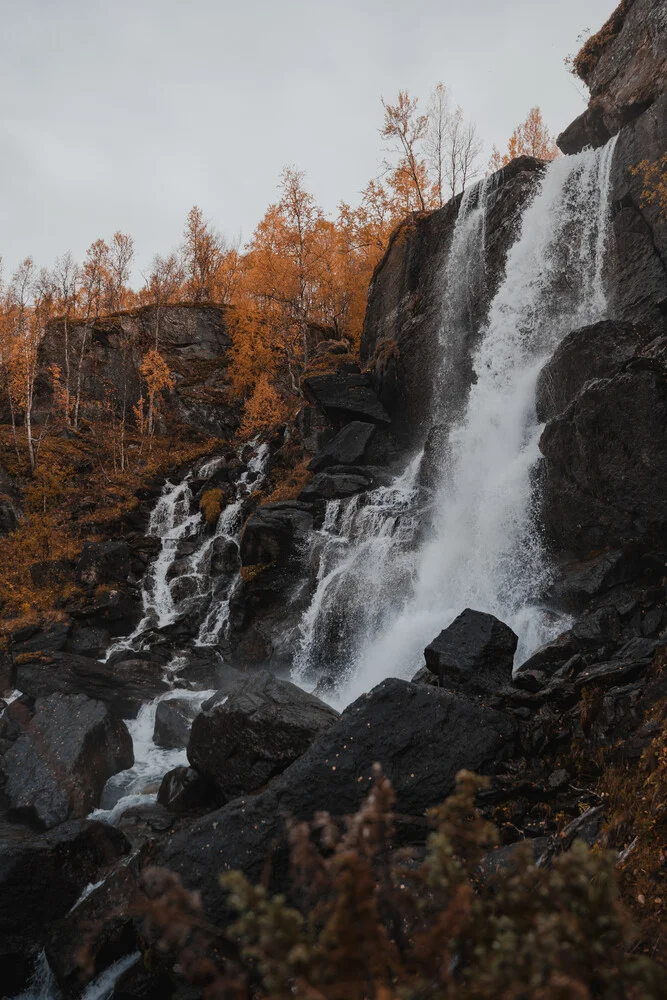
[122, 115]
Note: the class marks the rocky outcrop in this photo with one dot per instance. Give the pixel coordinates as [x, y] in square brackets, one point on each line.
[58, 766]
[403, 324]
[106, 562]
[625, 68]
[242, 739]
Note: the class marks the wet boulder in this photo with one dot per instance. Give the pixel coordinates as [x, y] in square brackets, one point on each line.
[421, 736]
[275, 533]
[349, 447]
[103, 562]
[173, 720]
[242, 739]
[475, 653]
[225, 557]
[597, 351]
[58, 766]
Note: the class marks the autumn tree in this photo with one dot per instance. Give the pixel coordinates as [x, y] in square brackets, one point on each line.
[24, 329]
[66, 277]
[201, 255]
[452, 146]
[120, 254]
[531, 138]
[163, 286]
[404, 130]
[158, 379]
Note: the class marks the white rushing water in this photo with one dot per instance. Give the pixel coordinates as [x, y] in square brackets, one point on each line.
[43, 984]
[483, 549]
[174, 520]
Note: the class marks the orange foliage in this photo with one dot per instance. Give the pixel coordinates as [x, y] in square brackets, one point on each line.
[531, 138]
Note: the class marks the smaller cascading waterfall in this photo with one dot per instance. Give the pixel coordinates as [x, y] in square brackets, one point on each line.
[365, 551]
[174, 521]
[483, 549]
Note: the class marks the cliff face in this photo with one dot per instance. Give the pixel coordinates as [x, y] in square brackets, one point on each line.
[625, 67]
[106, 353]
[404, 321]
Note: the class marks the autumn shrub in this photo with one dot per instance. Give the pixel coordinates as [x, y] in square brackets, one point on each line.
[367, 923]
[654, 184]
[211, 505]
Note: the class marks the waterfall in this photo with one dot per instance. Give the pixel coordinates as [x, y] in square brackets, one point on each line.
[482, 548]
[167, 595]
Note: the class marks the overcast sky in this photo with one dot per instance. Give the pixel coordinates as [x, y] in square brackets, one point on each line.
[122, 115]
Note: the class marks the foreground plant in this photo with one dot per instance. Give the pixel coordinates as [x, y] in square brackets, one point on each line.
[366, 923]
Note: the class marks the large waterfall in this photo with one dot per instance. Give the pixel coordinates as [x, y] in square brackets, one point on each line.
[390, 578]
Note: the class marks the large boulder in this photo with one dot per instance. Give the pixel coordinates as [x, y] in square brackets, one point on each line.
[475, 653]
[242, 739]
[625, 67]
[604, 477]
[421, 736]
[58, 766]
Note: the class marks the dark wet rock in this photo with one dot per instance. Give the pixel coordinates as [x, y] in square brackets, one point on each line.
[637, 258]
[123, 685]
[103, 562]
[102, 923]
[183, 790]
[336, 485]
[625, 74]
[58, 766]
[345, 396]
[173, 720]
[403, 324]
[225, 557]
[242, 739]
[275, 533]
[604, 477]
[40, 641]
[475, 653]
[580, 581]
[88, 641]
[43, 875]
[421, 736]
[349, 447]
[117, 609]
[597, 351]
